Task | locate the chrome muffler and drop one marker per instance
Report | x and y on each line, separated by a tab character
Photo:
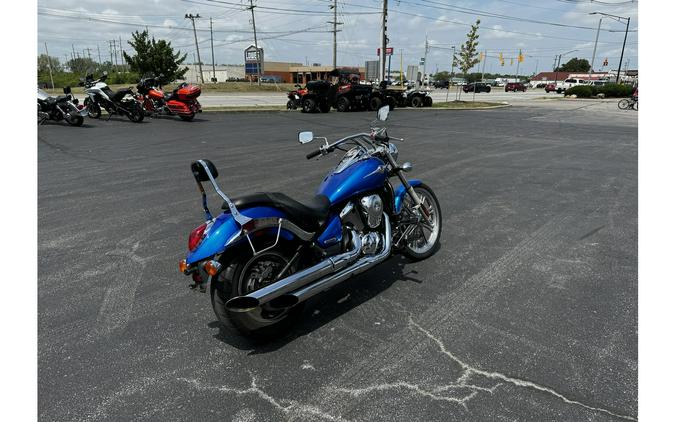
326	283
302	285
295	281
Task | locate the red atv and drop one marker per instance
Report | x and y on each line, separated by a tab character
182	101
295	98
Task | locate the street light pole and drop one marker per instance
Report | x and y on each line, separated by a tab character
595	47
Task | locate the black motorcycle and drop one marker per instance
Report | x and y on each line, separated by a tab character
64	107
99	95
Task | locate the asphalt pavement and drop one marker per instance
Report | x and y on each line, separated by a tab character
528	312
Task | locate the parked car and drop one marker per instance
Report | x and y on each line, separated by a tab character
478	86
515	86
441	84
549	88
569	83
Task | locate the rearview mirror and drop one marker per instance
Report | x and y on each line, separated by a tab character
383	113
305	137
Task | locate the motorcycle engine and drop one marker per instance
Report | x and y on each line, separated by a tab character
372	209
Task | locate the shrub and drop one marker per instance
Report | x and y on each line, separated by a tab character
581	91
615	90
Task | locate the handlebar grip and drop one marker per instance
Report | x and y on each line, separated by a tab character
313	154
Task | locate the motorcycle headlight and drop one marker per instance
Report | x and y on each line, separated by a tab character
393	151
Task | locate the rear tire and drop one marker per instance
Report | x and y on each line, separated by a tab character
136	114
417	101
186	117
375	103
239	278
428	102
75	120
342	104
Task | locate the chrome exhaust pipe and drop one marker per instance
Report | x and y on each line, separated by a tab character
295	281
326	283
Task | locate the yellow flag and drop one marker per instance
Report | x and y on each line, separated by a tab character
511	61
501	59
482	56
521	58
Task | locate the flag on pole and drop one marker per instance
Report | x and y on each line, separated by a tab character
482	56
501	59
521	58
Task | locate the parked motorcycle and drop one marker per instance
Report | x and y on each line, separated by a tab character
266	253
99	95
295	97
64	107
182	101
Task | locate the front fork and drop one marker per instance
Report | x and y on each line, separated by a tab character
409	189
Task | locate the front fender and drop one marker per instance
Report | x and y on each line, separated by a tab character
225	230
399	194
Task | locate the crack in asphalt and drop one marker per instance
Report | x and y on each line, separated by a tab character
290	407
469	370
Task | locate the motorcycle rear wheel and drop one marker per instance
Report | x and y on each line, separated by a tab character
137	114
243	274
186	117
75	120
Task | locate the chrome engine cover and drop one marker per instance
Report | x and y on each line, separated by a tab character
372	210
370	242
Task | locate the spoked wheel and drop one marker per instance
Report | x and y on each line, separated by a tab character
247	275
623	104
420	239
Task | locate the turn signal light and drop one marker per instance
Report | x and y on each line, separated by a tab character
183	266
212	267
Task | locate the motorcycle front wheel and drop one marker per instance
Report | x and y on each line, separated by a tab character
93	109
243	274
422	239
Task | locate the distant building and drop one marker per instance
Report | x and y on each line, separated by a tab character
273	72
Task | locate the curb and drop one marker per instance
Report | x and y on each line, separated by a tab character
272	110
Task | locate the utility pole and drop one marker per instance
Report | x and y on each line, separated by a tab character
618	72
110	49
335	31
595	46
452	75
383	42
121	56
99	53
88	50
194	30
213	60
426	50
255	40
73	45
49	62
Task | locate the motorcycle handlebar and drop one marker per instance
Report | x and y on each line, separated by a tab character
313	154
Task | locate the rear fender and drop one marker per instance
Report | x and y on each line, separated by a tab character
399	194
224	232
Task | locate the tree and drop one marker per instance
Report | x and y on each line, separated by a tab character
575	65
43	64
443	75
81	65
155	56
468	55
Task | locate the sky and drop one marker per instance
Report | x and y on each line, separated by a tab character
298	30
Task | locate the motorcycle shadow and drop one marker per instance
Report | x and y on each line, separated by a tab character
328	306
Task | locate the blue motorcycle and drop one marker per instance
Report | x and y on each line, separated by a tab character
266	253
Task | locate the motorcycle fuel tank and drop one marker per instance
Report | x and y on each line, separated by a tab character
360	176
155	94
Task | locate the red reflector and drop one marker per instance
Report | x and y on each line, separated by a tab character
196	237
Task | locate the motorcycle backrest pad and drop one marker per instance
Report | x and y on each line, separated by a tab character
66	90
199	172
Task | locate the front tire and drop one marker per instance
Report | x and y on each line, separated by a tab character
187	117
342	104
136	115
428	102
623	104
242	275
423	240
375	103
93	109
417	101
75	120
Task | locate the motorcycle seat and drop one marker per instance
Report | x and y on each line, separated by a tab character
121	93
54	100
308	216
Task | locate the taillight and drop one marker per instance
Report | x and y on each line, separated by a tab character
196	237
